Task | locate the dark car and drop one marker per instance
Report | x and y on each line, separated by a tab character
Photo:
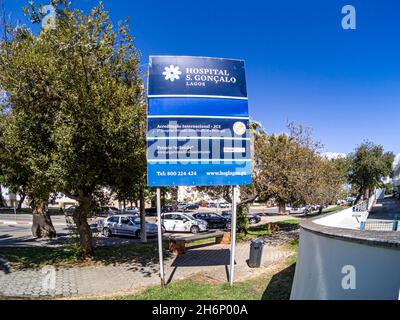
167	208
252	217
214	220
70	211
106	211
151	212
191	207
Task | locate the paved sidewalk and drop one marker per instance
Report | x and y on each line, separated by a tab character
211	261
385	209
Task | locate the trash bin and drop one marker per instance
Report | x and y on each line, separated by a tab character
256	250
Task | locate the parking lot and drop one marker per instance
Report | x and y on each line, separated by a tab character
15	230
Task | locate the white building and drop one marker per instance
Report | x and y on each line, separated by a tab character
396	171
189	194
10	199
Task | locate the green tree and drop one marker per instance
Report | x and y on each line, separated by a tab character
26	125
285	166
369	164
329	179
84	78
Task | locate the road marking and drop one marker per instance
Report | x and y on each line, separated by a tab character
28	223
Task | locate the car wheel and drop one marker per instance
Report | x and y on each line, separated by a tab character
194	229
107	232
253	221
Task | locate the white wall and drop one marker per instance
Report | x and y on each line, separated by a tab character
319	269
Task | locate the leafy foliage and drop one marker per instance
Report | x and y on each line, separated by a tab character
78	112
368	165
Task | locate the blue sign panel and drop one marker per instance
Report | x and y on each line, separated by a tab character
198	107
197	134
196	76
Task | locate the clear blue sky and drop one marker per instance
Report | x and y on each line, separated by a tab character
301	65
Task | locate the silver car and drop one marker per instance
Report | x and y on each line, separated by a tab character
181	222
126	225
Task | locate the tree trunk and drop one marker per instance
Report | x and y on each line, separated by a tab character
143	234
86	204
42	227
281	207
21	201
1	199
366	193
162	197
174	198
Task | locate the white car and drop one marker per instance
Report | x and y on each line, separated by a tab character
304	210
126	226
131	210
180	222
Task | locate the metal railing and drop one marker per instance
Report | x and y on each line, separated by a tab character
380	225
361	207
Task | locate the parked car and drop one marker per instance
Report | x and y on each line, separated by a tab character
151	212
181	206
191	206
131	210
299	210
167	208
214	220
127	226
111	210
70	210
251	217
219	205
181	222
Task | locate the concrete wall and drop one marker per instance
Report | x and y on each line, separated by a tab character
322	257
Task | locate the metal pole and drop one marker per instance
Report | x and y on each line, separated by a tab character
233	236
160	245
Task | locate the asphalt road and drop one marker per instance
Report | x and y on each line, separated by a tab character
20	235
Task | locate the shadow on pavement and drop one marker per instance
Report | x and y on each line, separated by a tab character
4	267
30	241
280	286
201	258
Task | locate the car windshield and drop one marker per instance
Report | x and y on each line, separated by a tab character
188	217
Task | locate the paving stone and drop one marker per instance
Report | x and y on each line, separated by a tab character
211	260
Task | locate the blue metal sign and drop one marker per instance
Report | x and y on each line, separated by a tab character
197	134
196	76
